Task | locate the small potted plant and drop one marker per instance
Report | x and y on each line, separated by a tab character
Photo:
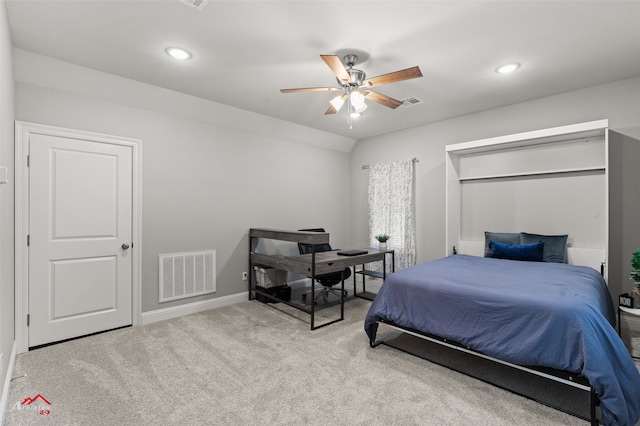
635	276
382	240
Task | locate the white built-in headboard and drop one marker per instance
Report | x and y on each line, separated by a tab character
551	181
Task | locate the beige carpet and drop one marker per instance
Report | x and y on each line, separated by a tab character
250	364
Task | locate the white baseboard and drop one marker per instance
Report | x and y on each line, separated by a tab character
6	388
192	308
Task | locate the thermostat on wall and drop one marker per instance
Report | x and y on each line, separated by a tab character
4	175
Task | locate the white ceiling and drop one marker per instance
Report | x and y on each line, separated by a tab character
245	51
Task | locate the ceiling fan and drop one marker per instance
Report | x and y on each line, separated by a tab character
355	86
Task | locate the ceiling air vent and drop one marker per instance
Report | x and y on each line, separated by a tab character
409	102
198	4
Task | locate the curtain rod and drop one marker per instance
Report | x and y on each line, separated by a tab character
367	166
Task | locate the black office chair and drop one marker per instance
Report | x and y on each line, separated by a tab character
328	280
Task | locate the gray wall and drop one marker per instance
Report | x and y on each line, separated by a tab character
619	102
6	195
204	184
210	172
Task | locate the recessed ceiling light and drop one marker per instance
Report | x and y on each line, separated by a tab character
178	53
507	68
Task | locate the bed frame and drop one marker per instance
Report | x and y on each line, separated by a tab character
563	377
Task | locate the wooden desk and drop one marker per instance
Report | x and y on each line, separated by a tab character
312	265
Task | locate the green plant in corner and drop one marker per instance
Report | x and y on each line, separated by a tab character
635	270
382	238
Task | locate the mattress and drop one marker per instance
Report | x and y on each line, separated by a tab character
536	314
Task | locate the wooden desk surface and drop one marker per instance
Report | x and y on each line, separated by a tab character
326	261
326	257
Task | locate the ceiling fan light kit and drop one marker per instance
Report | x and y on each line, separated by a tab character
337	102
356	98
355	86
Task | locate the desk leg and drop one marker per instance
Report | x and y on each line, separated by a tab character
364	278
355	281
342	298
384	267
313	302
313	287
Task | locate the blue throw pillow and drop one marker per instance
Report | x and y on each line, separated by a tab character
529	252
500	237
555	246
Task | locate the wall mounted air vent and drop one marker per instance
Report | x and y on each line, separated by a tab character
198	4
409	102
184	275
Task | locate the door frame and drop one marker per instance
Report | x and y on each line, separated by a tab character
23	131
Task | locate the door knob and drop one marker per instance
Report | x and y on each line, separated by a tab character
125	246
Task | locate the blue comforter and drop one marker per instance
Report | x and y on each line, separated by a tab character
527	313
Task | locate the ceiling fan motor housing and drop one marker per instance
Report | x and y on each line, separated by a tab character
357	78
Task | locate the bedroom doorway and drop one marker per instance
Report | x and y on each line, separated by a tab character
79	265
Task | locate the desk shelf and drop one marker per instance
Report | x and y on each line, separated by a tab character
375	274
371	273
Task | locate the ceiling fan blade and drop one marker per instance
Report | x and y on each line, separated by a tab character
336	66
382	99
330	110
392	77
310	89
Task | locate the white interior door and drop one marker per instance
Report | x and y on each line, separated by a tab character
80	228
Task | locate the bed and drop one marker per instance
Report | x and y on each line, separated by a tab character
535	314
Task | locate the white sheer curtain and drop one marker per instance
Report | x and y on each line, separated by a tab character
391	208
